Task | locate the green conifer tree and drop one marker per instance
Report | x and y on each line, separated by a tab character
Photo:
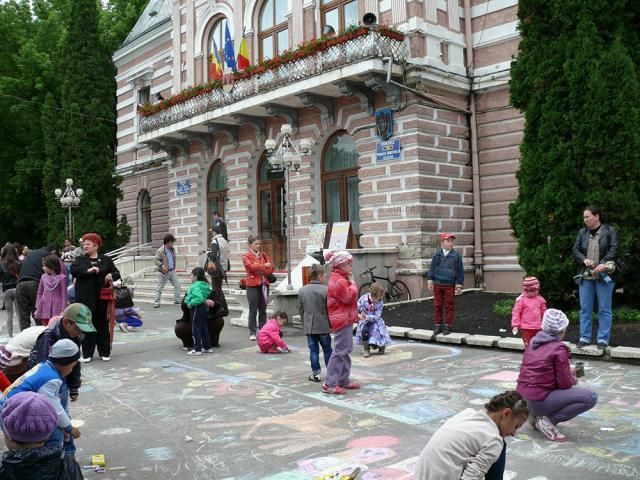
574	131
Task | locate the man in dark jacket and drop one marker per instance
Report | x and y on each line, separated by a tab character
312	306
445	279
75	321
27	288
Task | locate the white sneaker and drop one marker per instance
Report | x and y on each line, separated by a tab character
194	353
252	338
84	360
549	430
184	348
105	359
123	327
208	350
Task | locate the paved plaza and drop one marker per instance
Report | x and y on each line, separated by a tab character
239	414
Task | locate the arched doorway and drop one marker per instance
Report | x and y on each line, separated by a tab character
271	213
341	199
216	192
144	214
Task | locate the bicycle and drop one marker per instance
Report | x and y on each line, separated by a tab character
396	291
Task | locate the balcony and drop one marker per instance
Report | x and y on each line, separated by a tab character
337	69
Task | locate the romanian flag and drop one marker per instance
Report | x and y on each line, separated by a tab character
243	55
216	65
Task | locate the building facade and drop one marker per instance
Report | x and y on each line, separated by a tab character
444	78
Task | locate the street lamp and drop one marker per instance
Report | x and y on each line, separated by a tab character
69	199
285	157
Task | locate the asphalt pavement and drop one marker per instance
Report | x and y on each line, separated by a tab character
156	413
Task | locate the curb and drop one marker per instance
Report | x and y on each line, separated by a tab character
509	343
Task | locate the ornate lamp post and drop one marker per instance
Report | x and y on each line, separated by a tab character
69	199
284	157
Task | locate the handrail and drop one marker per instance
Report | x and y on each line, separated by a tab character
118	252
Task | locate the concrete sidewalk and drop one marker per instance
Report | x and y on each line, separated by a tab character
239	414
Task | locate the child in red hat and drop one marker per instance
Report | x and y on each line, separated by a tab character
445	279
527	313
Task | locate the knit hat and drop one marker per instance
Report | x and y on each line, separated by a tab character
5	358
64	352
338	258
554	321
28	417
446	236
80	314
530	284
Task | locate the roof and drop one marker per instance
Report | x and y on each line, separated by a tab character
157	13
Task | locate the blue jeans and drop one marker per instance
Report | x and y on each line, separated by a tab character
496	472
589	290
200	328
314	351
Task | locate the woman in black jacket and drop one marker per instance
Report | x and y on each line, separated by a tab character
595	244
93	271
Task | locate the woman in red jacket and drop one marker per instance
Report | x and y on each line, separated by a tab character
258	267
342	308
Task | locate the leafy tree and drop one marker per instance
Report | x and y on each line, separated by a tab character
577	84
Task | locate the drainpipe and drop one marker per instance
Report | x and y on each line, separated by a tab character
475	163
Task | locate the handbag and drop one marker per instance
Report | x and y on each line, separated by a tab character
106	293
272	278
124	296
242	285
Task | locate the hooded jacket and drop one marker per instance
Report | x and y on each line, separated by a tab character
52	296
342	299
545	367
44	463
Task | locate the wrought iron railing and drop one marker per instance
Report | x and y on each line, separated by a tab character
373	45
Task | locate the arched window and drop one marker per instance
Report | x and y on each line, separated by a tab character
341	201
271	213
144	207
339	13
216	191
217	35
273	36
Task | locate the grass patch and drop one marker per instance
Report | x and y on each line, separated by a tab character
503	309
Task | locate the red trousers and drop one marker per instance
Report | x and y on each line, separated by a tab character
527	335
443	295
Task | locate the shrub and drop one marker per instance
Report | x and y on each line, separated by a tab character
503	309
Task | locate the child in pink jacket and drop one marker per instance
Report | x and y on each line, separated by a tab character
526	316
270	336
51	299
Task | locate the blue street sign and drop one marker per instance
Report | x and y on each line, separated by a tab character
386	151
184	187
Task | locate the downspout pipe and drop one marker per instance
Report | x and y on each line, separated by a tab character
475	162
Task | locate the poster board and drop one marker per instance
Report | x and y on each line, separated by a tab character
317	237
342	236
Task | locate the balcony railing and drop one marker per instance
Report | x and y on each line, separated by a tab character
373	45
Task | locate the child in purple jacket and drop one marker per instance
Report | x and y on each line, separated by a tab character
52	290
547	380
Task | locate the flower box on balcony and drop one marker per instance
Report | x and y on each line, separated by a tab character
392	34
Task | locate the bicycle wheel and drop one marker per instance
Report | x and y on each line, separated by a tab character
399	291
364	288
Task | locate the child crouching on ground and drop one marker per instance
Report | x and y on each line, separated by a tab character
270	335
28	419
197	300
128	318
527	313
371	331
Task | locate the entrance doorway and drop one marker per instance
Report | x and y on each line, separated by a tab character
216	194
271	214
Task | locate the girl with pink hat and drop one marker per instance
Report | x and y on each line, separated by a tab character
343	313
526	316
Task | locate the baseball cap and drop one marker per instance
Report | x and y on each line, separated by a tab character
64	352
445	236
80	314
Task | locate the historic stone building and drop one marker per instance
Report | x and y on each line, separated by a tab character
448	94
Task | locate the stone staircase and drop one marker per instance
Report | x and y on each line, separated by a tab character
144	286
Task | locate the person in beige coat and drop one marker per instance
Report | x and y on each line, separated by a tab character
165	262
